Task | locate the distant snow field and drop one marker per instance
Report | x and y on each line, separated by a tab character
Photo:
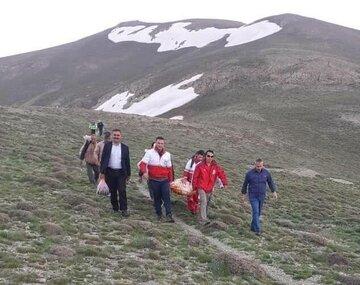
353	118
116	102
157	103
177	118
177	36
338	180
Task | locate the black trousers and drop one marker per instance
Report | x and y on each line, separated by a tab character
116	180
100	130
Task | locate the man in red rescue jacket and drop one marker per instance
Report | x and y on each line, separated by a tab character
204	179
157	168
193	200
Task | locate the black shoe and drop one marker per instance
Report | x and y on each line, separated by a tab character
169	219
159	218
114	211
125	214
258	233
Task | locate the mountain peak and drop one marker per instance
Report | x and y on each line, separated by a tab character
205	22
142	58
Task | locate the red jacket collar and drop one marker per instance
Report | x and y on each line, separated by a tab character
213	163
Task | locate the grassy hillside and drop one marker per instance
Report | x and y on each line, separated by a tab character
55	229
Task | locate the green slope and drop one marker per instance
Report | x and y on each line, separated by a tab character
54	229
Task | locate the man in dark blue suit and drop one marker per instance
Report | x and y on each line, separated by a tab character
115	169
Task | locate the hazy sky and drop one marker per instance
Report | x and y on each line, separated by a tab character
27	25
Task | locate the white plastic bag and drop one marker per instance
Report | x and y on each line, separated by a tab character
102	188
219	184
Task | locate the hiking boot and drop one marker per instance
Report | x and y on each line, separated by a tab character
169	219
125	214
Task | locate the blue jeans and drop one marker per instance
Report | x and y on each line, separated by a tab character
256	205
161	192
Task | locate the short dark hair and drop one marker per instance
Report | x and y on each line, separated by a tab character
200	152
116	130
159	138
209	151
258	160
107	134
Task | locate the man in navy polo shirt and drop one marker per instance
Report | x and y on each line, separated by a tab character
256	181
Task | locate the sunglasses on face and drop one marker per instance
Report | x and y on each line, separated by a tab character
208	155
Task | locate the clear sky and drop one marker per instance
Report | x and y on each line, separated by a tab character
27	25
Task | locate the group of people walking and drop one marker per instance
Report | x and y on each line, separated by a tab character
110	160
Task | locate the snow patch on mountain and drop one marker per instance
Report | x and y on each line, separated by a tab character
246	34
116	102
177	118
159	102
352	118
342	181
178	37
135	34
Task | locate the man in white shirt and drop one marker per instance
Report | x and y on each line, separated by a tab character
115	169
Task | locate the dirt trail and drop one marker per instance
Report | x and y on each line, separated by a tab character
274	273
